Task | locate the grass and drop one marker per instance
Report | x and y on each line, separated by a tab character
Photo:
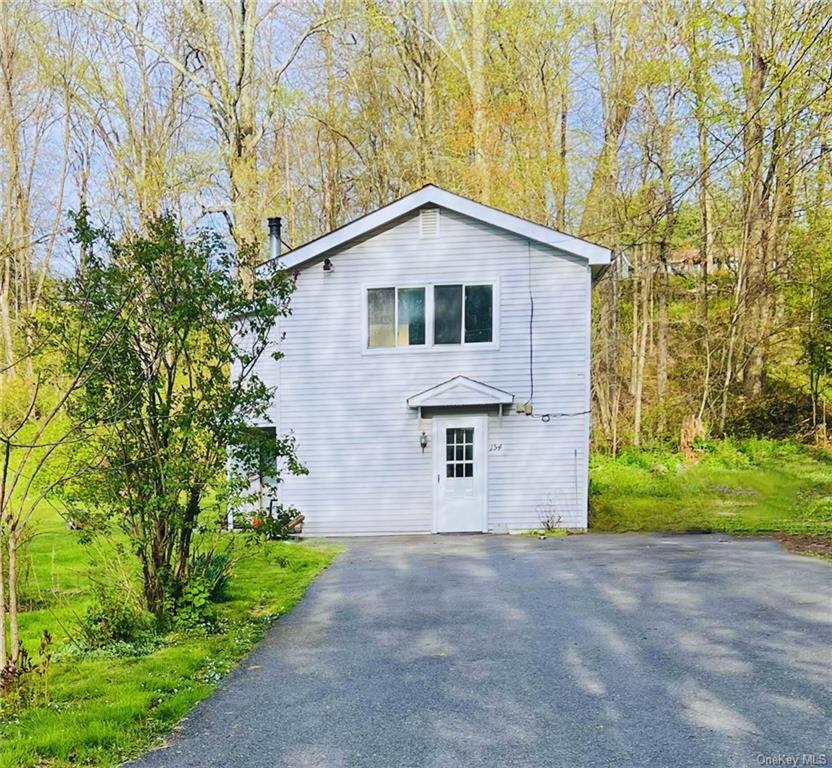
752	486
545	532
101	710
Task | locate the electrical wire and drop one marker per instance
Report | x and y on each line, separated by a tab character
547	417
531	327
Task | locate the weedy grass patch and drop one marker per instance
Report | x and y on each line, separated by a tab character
751	486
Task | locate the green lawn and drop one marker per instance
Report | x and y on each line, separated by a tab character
752	486
102	710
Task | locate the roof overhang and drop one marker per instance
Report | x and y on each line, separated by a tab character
594	255
460	391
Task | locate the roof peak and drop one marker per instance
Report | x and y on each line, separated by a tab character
431	193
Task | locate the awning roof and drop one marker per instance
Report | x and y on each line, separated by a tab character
460	390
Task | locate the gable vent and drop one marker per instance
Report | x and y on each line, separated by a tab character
429	222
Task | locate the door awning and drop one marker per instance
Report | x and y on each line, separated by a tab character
460	390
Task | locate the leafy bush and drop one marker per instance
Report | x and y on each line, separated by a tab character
214	569
115	617
782	412
760	449
194	609
725	454
817	514
27	682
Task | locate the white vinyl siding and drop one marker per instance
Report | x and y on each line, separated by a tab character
347	409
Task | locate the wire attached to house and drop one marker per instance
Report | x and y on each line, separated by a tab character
531	326
547	417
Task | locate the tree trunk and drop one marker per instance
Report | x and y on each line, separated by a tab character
661	348
478	37
618	79
562	170
646	282
191	515
755	298
4	656
427	118
14	632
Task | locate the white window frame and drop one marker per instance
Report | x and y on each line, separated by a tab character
366	318
429	345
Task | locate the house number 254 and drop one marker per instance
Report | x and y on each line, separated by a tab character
495	447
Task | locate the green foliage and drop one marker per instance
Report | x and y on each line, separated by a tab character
109	704
160	410
782	412
214	569
194	610
755	485
27	683
115	618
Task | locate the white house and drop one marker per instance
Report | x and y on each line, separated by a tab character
436	371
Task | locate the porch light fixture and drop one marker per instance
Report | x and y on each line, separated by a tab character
423	441
327	265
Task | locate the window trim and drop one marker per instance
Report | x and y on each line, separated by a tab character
429	345
366	317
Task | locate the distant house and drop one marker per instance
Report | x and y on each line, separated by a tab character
436	371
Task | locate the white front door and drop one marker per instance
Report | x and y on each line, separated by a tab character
459	470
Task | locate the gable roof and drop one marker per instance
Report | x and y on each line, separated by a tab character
460	390
595	255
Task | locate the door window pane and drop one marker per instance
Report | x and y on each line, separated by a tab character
478	313
381	317
447	314
459	452
411	316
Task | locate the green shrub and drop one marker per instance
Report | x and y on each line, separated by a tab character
818	514
214	569
782	412
760	449
193	608
115	617
726	454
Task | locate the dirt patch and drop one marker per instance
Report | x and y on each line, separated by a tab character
807	544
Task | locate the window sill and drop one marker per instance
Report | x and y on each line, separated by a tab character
490	346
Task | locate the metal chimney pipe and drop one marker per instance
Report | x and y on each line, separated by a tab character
274	236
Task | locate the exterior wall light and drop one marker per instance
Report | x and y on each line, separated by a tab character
327	265
423	441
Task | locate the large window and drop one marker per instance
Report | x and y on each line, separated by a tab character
399	317
463	311
396	317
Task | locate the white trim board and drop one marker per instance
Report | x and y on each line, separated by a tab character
594	255
460	390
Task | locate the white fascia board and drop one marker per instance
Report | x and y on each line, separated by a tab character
594	254
483	394
432	195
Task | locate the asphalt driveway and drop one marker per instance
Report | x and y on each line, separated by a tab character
446	651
